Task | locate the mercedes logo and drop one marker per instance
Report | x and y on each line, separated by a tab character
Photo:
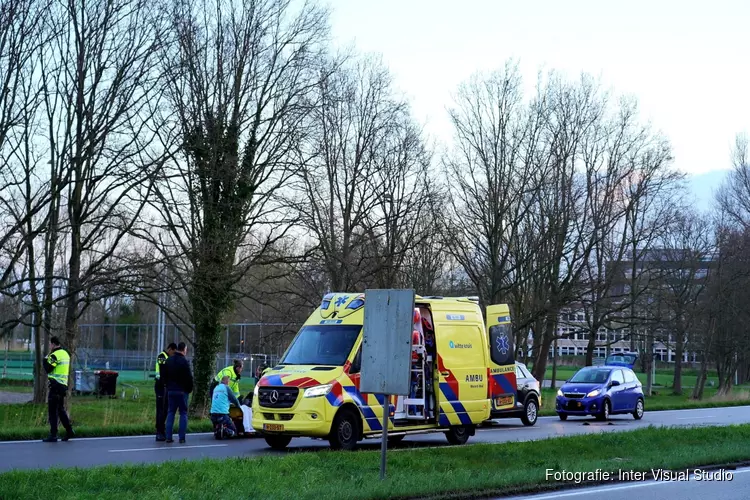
274	397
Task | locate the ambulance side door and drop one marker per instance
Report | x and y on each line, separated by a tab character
502	363
461	368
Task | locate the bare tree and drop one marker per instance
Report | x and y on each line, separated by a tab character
365	178
734	195
628	175
21	33
688	254
101	87
491	171
239	77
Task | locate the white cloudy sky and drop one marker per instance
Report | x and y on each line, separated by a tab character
688	62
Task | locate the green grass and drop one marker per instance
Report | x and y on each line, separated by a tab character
665	400
91	416
451	472
664	377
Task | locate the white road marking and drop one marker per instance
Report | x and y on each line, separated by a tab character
27	441
603	489
695	418
167	447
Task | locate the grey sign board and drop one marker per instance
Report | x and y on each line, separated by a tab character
386	347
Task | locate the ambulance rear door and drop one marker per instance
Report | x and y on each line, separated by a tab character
501	372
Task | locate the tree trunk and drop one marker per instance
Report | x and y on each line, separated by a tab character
71	302
590	347
553	383
540	366
208	340
40	386
700	382
679	349
649	363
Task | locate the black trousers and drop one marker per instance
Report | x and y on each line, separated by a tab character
56	408
161	408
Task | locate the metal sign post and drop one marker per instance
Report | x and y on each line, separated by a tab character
386	350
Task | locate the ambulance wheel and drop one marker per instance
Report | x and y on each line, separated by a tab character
458	435
345	430
278	442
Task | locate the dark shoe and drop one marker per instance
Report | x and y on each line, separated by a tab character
49	439
69	435
170	440
182	441
161	438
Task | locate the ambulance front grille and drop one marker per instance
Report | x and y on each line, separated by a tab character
278	416
277	397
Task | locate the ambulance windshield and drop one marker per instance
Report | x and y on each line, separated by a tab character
328	345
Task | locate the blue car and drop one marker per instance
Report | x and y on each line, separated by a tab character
601	391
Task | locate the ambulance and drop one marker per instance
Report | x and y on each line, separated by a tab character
462	369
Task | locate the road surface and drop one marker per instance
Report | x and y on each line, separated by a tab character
738	488
87	452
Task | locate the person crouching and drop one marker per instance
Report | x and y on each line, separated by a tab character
220	401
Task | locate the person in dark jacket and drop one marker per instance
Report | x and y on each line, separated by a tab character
179	383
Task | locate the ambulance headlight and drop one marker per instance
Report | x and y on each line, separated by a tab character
318	390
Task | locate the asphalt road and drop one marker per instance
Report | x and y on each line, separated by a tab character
716	485
87	452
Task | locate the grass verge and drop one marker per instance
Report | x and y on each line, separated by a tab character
475	471
664	400
96	417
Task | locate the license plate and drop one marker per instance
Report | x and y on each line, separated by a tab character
504	401
273	427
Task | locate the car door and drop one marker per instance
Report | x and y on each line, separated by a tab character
618	393
523	386
631	382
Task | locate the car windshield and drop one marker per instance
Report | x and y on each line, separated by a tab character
328	345
621	358
591	376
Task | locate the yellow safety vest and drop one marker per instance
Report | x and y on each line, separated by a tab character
234	383
160	360
60	360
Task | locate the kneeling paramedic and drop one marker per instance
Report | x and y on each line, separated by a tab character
57	366
220	401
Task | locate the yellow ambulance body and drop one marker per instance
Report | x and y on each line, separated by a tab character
457	379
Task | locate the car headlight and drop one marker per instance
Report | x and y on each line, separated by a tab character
593	393
255	391
318	390
559	392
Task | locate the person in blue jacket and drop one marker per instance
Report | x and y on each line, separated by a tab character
220	401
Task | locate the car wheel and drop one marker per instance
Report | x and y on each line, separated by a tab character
278	442
604	415
345	431
562	416
639	409
458	435
530	412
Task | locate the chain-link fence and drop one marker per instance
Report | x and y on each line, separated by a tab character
131	349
